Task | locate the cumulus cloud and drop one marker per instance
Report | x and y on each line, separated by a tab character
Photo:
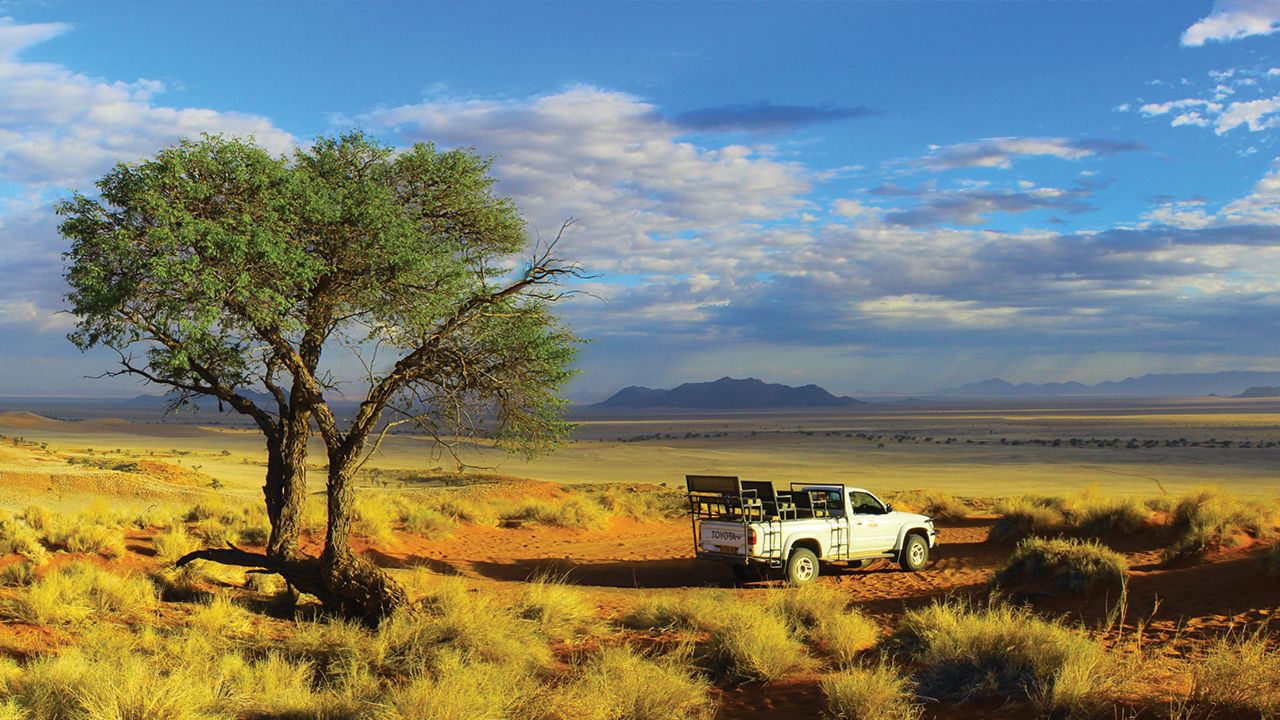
645	198
1245	102
62	127
1233	20
1000	152
764	116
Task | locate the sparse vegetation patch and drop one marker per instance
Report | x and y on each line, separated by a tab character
1072	565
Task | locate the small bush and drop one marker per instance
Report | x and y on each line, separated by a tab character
80	535
1072	565
467	510
870	692
1209	518
1099	514
642	503
1020	517
1239	676
965	653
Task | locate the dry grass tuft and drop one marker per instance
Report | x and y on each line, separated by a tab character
1208	518
1072	565
819	614
620	683
561	611
428	522
870	692
1238	676
966	652
1021	516
935	504
76	592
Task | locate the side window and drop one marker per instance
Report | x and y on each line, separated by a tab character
864	504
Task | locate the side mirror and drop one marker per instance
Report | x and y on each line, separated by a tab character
888	508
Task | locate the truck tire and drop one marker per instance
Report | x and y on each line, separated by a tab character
802	567
915	553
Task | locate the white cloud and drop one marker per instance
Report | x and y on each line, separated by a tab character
1233	20
62	127
1000	152
610	160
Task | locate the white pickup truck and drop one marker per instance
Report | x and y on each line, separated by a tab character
752	527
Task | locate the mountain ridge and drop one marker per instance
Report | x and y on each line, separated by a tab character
726	394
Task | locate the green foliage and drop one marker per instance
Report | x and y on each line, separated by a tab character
967	652
870	692
214	255
1073	565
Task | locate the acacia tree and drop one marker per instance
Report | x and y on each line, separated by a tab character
348	243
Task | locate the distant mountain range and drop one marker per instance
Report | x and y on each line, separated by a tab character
1230	383
726	394
1260	392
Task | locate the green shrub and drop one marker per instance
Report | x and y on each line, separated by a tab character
964	652
1072	565
870	692
573	511
1238	676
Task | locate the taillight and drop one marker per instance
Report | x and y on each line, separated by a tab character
751	536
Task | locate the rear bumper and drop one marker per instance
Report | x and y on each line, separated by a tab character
732	558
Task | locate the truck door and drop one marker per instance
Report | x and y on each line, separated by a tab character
869	533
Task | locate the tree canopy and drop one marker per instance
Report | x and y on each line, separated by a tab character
216	269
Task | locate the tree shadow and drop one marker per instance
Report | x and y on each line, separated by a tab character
648	574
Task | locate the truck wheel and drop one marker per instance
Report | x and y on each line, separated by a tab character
915	553
802	567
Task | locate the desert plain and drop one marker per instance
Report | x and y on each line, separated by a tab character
589	548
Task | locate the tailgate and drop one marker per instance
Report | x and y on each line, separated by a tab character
722	537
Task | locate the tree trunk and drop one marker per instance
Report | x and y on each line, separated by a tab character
286	485
353	586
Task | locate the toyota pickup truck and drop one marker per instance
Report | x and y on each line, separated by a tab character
754	528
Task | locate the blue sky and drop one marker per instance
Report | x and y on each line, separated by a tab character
870	196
